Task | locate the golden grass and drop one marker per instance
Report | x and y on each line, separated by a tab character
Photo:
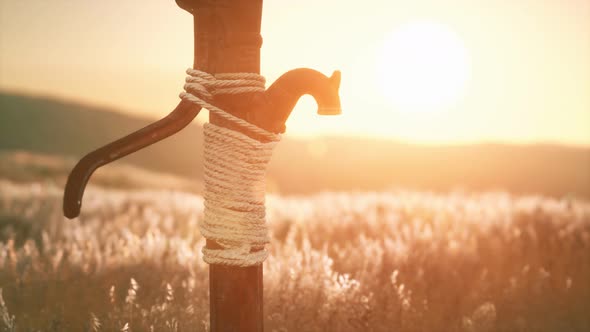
399	261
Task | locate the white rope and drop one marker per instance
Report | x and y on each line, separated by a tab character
200	88
234	173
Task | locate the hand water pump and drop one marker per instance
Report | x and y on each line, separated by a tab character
246	121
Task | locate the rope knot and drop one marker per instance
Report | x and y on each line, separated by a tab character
205	85
201	87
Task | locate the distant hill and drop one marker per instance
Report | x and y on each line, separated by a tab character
57	127
299	166
26	166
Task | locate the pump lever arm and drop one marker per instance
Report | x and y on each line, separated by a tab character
179	118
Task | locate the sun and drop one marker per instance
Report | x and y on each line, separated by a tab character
423	66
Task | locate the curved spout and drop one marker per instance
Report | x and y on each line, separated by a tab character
179	118
284	93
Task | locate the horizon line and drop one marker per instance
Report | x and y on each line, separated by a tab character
141	115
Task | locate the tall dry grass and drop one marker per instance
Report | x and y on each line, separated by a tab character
400	261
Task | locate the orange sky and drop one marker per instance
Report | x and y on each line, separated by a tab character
526	63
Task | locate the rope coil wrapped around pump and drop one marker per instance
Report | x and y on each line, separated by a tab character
234	173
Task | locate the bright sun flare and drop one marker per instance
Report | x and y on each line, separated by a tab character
424	66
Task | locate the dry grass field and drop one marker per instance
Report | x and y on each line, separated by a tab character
391	261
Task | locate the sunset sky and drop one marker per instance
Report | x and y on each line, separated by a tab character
422	71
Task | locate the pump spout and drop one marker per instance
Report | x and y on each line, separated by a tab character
282	96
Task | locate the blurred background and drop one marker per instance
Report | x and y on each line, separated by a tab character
436	95
452	194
